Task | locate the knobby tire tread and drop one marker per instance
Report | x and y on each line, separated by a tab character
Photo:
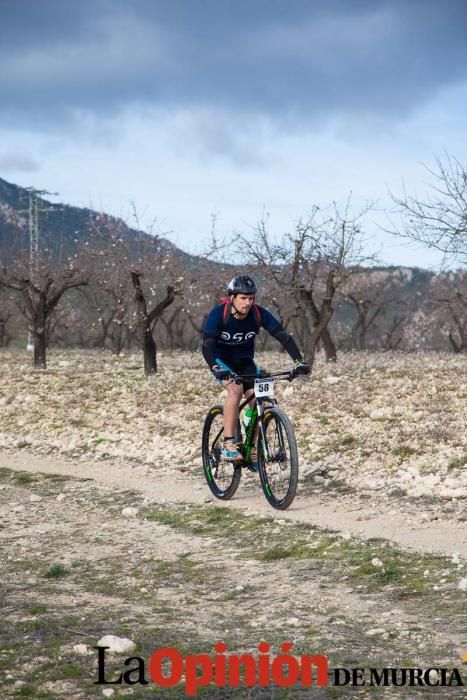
229	492
280	416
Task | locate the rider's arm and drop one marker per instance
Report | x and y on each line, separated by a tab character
277	330
211	331
208	349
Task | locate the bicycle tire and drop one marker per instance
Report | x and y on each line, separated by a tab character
273	470
223	477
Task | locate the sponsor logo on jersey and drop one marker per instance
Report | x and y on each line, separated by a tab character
233	338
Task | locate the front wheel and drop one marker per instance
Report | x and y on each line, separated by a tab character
223	477
278	458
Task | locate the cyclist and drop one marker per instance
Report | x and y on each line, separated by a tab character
229	347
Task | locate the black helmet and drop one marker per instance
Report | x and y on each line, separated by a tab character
242	285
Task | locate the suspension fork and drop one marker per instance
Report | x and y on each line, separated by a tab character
264	443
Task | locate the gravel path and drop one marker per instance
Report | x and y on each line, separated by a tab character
416	525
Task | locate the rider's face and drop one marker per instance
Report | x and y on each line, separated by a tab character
243	302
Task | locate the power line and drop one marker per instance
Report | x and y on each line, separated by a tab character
33	218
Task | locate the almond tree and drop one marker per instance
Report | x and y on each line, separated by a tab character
7	313
450	294
439	218
39	293
309	265
374	296
147	320
119	262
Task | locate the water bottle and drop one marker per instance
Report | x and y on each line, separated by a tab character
247	418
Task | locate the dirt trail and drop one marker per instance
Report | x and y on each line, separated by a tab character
446	536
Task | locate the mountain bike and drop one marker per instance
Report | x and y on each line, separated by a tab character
275	442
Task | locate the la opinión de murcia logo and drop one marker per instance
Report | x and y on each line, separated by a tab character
167	667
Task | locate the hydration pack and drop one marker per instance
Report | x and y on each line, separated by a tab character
227	311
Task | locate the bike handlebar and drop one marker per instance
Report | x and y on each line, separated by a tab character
289	375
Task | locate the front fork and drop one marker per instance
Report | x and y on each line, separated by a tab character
260	409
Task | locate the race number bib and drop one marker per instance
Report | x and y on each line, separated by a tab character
264	387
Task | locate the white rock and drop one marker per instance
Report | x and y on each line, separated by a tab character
117	645
288	391
455	557
61	497
452	483
420	490
35	498
108	692
293	621
379	413
377	562
332	380
375	632
462	585
130	512
81	649
453	493
372	484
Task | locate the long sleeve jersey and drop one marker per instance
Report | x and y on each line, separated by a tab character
236	338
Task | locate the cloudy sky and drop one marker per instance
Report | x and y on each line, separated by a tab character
190	108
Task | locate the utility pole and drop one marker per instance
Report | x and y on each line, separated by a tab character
33	211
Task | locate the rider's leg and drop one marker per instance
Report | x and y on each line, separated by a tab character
232	402
253	453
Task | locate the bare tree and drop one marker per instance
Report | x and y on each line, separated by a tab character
393	334
374	296
148	319
309	265
439	218
39	294
453	302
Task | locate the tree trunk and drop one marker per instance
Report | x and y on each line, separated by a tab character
3	333
457	348
329	347
149	350
321	318
362	343
39	333
40	345
147	321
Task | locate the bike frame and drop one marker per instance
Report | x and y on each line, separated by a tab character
259	401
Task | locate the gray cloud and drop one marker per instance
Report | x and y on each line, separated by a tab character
11	161
301	60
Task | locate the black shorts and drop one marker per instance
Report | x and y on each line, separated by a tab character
241	365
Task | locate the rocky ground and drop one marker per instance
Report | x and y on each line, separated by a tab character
382	421
108	528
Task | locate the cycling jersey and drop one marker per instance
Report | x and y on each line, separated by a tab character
235	338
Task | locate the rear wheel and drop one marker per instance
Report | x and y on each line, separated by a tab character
223	477
278	459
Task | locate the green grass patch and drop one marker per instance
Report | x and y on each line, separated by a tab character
38	609
403	452
277	552
458	463
348	440
56	571
23	478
